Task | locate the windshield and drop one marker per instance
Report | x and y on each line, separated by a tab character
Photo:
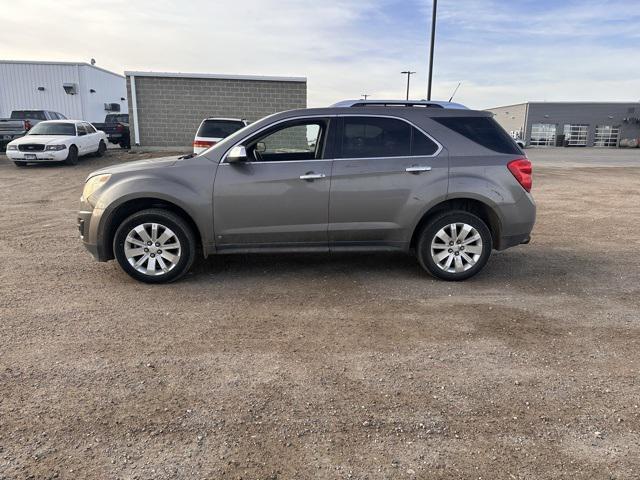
51	128
112	118
219	128
28	114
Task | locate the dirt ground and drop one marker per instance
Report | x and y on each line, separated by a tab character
316	366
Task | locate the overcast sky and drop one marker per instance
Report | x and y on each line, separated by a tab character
502	51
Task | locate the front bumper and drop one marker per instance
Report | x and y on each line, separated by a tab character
44	156
88	226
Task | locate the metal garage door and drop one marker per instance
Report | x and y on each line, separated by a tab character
606	136
575	135
543	135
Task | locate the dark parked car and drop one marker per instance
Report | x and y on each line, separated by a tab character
446	183
116	126
21	121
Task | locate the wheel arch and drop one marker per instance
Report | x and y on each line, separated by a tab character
129	207
472	205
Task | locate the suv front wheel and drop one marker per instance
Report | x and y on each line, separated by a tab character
154	246
454	246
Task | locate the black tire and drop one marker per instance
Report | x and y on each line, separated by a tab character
443	221
165	218
20	164
102	148
72	156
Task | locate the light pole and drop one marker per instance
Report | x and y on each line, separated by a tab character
365	95
408	73
433	40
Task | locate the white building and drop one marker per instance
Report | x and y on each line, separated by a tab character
77	90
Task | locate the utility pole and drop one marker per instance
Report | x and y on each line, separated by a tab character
433	40
408	73
365	95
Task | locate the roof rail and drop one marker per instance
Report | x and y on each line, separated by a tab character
398	103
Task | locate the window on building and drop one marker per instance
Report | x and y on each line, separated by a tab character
575	135
543	135
606	136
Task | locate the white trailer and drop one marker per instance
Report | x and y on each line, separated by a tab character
77	90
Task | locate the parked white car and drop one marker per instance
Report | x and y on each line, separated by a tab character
212	130
57	141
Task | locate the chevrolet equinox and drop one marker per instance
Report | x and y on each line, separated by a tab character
433	178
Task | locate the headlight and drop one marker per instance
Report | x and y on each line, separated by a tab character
55	147
12	147
93	184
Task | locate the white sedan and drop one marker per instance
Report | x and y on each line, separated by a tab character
57	141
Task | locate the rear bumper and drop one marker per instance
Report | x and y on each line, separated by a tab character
518	220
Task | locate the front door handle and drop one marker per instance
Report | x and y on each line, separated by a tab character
417	169
312	176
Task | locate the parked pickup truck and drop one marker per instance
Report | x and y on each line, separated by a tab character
116	126
21	121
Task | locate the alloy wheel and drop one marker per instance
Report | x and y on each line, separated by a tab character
456	247
152	249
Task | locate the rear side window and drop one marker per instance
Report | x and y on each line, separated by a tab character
366	137
371	137
482	130
219	128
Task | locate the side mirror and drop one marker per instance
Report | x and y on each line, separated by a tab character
261	147
237	154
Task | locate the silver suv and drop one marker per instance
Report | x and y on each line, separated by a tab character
446	183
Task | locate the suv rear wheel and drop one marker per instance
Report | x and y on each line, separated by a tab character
454	246
154	246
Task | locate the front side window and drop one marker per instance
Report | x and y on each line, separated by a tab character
89	128
81	130
294	141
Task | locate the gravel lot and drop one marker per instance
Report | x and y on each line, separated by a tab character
315	366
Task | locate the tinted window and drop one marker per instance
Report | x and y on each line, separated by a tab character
53	128
89	128
219	128
118	118
482	130
298	141
28	114
422	145
81	129
366	137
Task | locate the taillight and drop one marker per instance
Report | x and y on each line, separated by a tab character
27	125
203	143
521	169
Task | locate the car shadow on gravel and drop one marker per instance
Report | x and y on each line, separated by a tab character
548	266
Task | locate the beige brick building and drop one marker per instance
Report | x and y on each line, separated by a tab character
167	108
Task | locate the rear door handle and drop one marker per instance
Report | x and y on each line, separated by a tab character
312	176
417	169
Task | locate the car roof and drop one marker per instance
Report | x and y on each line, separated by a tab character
64	121
225	119
399	103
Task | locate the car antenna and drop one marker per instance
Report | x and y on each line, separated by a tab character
454	92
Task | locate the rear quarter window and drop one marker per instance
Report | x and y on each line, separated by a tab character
484	131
